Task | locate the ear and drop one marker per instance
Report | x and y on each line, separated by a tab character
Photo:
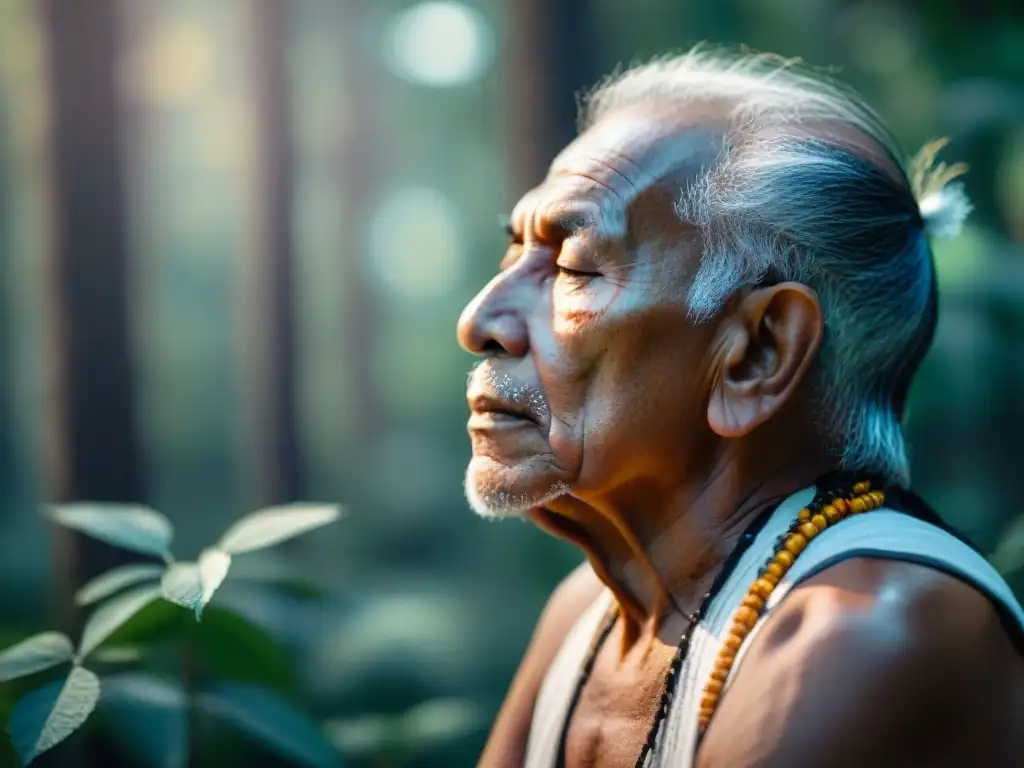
771	340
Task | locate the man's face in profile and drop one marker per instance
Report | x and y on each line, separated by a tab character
590	361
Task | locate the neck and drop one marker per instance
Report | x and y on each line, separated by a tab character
659	550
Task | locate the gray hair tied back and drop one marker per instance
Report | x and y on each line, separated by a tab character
810	187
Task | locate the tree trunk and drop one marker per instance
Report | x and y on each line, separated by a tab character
91	439
549	63
361	171
268	305
8	468
90	423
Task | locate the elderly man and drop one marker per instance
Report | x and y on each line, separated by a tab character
695	360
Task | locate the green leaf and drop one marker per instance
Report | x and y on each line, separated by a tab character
153	625
231	648
191	585
116	579
276	524
42	651
273	721
150	716
367	736
441	720
182	584
267	570
431	725
213	568
124	525
121	654
112	614
45	717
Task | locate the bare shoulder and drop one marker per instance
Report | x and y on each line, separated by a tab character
570	599
875	662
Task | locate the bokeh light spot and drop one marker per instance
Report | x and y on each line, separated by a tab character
416	244
171	65
439	44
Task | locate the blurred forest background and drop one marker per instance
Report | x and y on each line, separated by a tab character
235	237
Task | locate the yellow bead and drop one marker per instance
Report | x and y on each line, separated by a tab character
745	616
819	522
756	602
842	506
762	588
775	570
726	655
740	630
721	674
804	514
809	530
795	543
785	558
771	578
713	687
732	642
832	515
862	487
879	498
857	506
709	701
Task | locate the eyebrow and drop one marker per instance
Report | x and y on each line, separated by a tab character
569	221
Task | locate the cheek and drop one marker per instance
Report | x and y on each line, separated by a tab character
579	311
588	327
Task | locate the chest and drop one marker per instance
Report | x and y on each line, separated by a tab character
617	707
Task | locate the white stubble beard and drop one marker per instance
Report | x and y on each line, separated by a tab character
494	503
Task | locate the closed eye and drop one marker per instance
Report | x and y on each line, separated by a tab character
576	273
510	231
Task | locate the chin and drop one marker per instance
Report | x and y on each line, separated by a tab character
496	491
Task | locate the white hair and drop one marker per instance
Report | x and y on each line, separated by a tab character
809	187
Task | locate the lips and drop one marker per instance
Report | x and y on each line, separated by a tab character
493	405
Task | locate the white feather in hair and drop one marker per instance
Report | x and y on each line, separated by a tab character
944	206
944	212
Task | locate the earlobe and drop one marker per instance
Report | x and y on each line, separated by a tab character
731	416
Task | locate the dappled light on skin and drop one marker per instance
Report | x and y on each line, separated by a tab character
409	126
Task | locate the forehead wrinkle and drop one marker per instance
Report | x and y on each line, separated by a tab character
600	205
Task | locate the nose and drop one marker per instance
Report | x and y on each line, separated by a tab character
492	323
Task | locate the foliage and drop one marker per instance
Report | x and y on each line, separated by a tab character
426	728
152	715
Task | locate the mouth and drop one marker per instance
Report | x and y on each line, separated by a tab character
490	409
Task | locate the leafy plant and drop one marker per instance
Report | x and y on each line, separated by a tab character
153	714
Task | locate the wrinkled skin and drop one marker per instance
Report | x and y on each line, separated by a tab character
632	406
604	414
591	318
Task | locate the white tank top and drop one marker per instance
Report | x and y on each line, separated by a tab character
881	533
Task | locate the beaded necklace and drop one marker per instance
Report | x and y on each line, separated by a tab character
831	504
